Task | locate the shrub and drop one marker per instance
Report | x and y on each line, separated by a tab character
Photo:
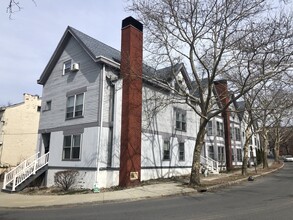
65	179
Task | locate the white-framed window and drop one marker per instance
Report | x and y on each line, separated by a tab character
220	129
210	128
166	150
211	152
221	153
74	106
180	119
181	152
66	67
232	133
237	134
239	155
71	147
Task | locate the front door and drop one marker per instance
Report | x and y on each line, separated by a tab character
46	141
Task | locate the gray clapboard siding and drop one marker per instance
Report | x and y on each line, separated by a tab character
58	85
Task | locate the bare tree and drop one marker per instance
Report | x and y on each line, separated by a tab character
283	107
14	6
205	35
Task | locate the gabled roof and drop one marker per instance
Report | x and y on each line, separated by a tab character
101	52
94	47
166	74
203	83
240	107
97	50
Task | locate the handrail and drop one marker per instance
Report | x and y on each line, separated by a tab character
30	170
9	176
213	164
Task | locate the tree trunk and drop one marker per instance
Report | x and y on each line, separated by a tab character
245	151
277	146
195	169
265	148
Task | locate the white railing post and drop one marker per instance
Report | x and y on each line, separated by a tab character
35	166
4	182
13	184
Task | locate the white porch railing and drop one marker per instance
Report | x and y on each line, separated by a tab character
8	178
25	170
210	163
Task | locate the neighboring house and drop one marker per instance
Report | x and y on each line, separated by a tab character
225	138
19	130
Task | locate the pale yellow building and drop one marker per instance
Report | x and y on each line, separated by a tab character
18	130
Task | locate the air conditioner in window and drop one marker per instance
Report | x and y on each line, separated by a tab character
1	142
75	67
180	78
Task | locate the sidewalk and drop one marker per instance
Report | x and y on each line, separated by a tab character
131	194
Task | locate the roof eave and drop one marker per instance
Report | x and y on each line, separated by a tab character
108	61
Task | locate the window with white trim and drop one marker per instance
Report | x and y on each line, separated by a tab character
237	134
221	153
181	152
66	67
71	147
180	120
210	128
239	155
220	129
166	150
232	133
74	106
211	152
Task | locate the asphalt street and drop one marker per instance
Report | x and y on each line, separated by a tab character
268	197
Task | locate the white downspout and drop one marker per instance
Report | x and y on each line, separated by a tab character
99	142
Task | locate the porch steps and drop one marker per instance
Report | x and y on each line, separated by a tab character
25	183
26	172
210	164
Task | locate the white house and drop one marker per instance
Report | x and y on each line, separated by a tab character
102	116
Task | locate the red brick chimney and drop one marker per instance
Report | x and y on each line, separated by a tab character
131	71
223	94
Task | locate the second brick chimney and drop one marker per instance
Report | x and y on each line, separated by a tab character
131	71
223	94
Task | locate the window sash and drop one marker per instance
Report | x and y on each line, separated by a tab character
66	67
239	155
220	129
48	106
71	147
220	153
237	131
210	128
211	152
166	150
180	120
74	106
181	152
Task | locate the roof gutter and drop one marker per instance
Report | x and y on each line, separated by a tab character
108	61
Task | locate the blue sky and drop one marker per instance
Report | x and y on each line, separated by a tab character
29	39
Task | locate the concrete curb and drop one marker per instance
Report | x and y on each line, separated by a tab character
137	194
242	179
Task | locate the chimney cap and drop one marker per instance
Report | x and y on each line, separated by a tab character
131	21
